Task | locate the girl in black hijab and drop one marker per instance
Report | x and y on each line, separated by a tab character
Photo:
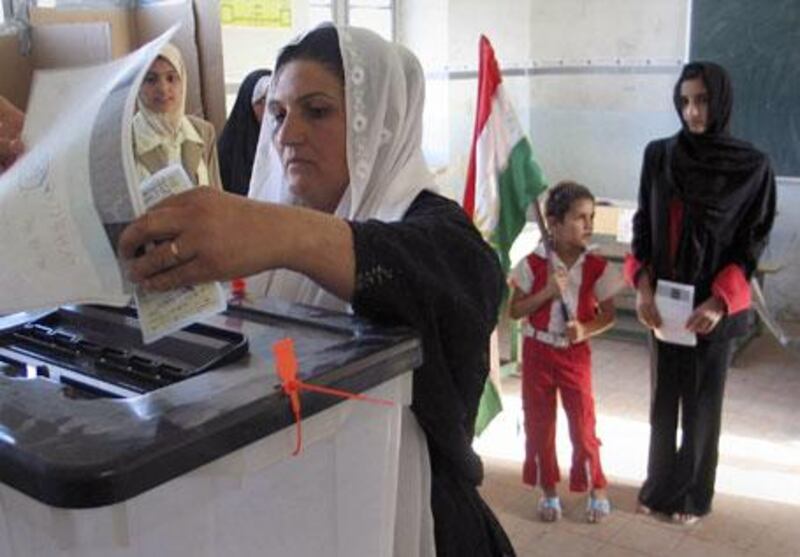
239	138
706	206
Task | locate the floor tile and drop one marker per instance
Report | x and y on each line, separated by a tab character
758	487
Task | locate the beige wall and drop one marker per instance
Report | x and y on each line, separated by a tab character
589	126
123	25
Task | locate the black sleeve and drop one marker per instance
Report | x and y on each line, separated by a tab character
641	244
433	271
753	233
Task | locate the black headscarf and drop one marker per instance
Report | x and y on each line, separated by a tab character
239	139
726	185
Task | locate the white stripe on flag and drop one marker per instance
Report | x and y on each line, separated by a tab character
497	139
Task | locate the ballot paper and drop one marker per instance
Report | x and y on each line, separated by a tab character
162	313
64	203
675	303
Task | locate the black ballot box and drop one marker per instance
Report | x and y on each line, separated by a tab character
185	447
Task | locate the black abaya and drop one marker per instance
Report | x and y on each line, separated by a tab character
433	272
237	143
726	191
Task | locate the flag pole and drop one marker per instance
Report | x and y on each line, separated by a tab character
547	240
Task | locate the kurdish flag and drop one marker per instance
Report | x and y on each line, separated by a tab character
502	176
502	181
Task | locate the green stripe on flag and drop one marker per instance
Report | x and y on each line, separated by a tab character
520	183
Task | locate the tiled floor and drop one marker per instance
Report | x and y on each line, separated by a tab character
757	506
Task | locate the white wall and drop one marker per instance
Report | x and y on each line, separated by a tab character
587	126
592	127
783	254
422	25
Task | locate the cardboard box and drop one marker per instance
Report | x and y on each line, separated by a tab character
16	71
79	36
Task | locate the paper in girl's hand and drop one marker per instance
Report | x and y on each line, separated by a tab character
675	303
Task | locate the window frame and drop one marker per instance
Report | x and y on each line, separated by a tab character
340	13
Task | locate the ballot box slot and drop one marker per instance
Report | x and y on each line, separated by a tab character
101	350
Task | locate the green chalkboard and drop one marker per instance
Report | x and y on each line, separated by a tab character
758	42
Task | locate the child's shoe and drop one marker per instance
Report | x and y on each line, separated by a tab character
597	508
549	508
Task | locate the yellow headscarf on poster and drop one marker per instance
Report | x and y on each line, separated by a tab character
256	13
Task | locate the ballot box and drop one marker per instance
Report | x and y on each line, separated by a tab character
184	447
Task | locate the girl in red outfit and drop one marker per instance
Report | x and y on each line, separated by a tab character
566	296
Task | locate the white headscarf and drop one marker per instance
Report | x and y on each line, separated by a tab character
167	130
166	124
384	100
260	89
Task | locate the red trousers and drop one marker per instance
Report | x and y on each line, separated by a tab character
545	370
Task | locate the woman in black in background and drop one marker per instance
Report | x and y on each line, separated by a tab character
706	207
237	143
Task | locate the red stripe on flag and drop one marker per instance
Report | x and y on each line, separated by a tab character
488	79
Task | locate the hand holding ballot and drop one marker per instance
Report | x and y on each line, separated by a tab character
206	234
706	316
646	309
671	315
164	312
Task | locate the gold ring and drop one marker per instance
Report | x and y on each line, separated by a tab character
173	247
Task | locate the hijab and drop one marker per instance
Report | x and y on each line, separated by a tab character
166	125
717	177
384	100
168	134
239	138
713	166
261	88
